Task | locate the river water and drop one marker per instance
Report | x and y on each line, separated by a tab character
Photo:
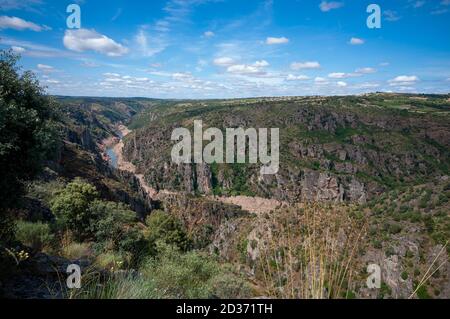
112	156
113	159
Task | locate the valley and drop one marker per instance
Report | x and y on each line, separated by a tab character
361	181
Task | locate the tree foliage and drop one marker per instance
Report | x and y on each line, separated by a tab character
166	228
28	130
72	208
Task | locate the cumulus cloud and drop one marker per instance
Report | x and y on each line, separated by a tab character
404	80
339	75
17	49
208	34
305	65
341	84
272	40
356	41
90	40
320	80
292	77
20	24
358	72
256	69
223	61
326	6
244	69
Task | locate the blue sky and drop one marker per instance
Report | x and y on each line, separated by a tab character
231	48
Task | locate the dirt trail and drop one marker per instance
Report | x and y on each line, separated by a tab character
255	205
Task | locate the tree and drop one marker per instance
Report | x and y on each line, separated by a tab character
28	132
166	228
72	208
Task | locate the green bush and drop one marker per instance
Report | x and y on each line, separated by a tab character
28	130
71	208
166	228
37	236
171	275
113	221
116	229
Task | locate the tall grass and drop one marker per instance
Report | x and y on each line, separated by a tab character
310	252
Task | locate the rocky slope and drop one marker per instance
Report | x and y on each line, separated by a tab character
332	149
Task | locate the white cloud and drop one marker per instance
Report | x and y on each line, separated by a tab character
223	61
272	40
292	77
111	75
261	64
305	65
404	80
90	40
45	68
208	34
149	47
182	76
356	41
18	4
366	70
35	50
20	24
50	81
255	69
357	73
244	69
17	49
341	84
338	75
326	6
384	64
320	80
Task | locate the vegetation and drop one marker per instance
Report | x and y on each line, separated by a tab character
360	180
28	134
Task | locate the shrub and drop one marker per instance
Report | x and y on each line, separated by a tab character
71	207
172	275
34	235
113	221
28	133
110	261
116	229
190	275
166	228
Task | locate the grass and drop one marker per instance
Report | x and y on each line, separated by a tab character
37	236
313	257
173	275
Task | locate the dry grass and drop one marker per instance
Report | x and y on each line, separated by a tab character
311	252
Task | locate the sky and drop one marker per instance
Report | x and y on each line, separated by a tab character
195	49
